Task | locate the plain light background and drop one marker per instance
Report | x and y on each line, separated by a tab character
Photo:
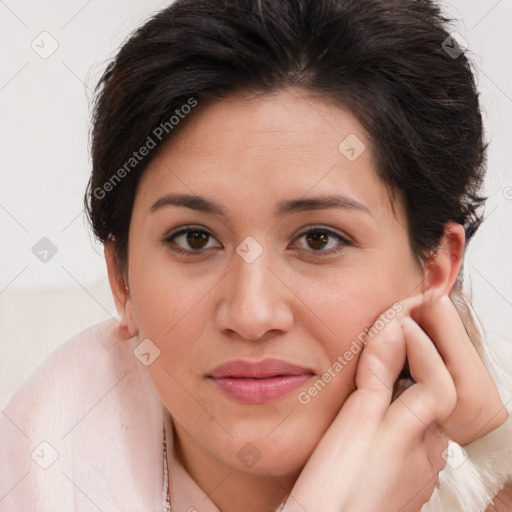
44	167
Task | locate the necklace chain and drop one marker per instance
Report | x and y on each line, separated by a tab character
166	499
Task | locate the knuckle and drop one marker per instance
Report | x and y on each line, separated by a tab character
426	405
384	344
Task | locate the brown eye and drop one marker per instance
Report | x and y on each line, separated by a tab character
189	241
197	239
317	239
324	241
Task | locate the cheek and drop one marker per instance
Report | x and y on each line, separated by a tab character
165	294
344	306
169	309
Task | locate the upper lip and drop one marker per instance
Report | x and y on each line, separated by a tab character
269	367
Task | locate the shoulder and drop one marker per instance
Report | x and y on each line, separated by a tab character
86	414
72	370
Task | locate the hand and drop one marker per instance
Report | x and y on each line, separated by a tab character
382	455
479	408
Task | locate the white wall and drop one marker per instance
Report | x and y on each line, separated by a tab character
44	166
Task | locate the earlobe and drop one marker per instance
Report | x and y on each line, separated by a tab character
442	269
120	291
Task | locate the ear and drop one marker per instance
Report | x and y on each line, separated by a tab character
120	292
442	269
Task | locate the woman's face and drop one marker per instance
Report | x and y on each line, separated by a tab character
261	279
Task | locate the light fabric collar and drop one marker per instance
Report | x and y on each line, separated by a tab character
91	414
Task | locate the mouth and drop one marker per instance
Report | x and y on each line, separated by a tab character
256	382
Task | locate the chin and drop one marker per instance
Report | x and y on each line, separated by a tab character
271	455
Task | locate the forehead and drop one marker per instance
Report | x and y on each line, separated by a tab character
252	147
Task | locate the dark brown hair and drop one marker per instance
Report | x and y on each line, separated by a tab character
392	63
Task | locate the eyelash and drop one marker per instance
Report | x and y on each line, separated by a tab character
344	242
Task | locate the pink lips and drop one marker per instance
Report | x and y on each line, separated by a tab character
254	382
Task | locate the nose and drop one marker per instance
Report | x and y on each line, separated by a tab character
255	302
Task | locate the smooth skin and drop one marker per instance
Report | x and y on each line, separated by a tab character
209	305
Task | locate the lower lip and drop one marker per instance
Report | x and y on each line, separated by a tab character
258	391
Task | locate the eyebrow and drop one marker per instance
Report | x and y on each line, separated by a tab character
285	207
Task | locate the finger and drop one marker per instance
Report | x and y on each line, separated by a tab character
383	356
442	322
379	366
401	308
433	397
